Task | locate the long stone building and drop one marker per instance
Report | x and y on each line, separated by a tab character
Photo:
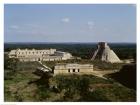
39	55
72	68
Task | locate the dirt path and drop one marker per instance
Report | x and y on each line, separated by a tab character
44	65
101	73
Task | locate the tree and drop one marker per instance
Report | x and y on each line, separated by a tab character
10	67
10	63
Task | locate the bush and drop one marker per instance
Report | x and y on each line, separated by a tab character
42	93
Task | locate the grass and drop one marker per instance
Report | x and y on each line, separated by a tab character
69	88
102	90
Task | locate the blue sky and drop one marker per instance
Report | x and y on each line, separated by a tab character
69	22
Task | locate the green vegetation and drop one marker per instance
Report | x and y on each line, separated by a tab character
65	88
20	84
25	86
123	76
10	66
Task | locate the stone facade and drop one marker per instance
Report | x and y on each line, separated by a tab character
39	55
104	53
73	68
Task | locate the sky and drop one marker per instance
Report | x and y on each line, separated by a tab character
70	23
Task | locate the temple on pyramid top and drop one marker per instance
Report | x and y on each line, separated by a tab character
104	53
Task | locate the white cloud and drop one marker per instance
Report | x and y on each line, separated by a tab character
14	27
65	20
90	24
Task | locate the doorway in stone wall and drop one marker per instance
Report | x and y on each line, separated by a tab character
73	70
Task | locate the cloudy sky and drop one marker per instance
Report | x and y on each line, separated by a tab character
69	23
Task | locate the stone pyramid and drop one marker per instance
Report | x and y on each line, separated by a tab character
104	53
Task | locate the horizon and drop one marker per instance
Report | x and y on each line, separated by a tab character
67	42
